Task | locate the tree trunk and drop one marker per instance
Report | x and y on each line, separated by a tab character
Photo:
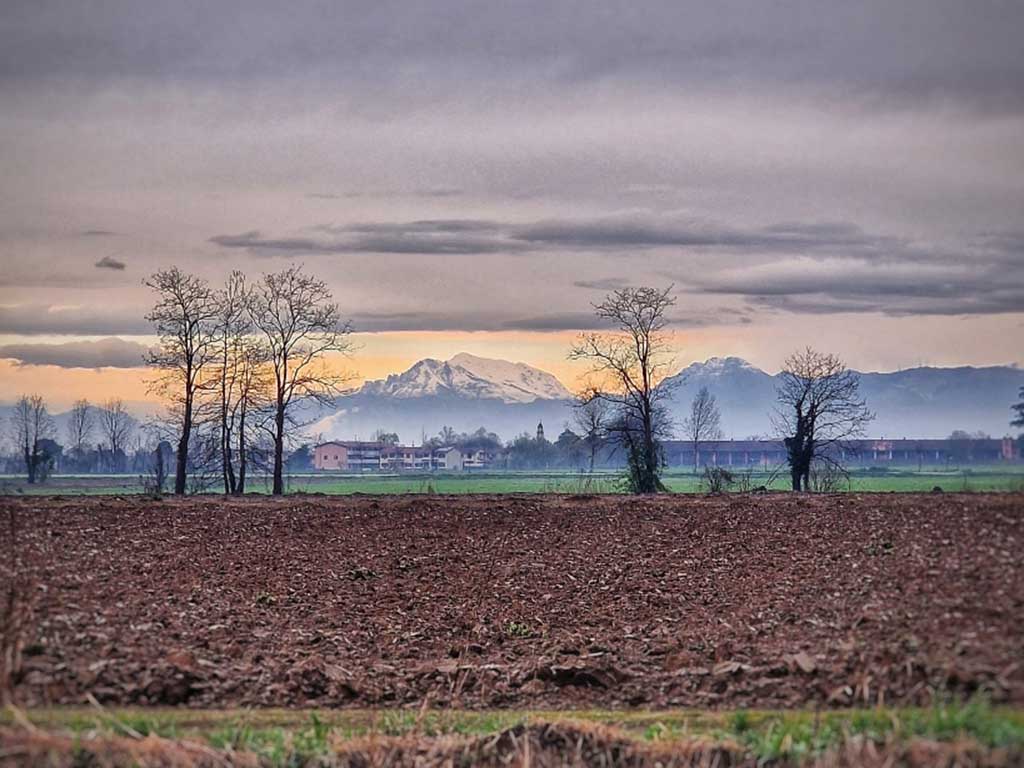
240	485
181	468
649	480
229	470
225	455
30	466
279	449
794	475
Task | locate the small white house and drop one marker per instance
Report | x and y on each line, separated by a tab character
448	457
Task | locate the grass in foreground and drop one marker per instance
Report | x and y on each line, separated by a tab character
298	737
874	479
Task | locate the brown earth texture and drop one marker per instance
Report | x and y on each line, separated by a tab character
517	601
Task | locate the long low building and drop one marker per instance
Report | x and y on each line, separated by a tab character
771	453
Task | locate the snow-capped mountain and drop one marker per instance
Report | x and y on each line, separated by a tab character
916	402
465	393
467	375
720	366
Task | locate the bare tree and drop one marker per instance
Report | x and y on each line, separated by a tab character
300	324
80	427
240	379
592	417
627	368
819	408
116	425
183	315
703	423
31	424
250	404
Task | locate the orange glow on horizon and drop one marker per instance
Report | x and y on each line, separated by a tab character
376	356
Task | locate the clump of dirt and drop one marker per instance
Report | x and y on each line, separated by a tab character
544	745
40	748
774	600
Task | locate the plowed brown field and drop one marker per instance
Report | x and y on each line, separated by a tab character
520	601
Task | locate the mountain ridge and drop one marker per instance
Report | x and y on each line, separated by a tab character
470	375
468	391
921	402
465	392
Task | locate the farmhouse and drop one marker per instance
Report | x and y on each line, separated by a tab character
348	456
360	456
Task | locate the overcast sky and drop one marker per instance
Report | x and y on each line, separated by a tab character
471	175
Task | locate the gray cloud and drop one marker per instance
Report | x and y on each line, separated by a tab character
834	302
97	233
936	50
620	233
896	276
452	237
471	236
41	319
375	322
331	195
604	284
648	232
112	353
856	286
491	321
109	262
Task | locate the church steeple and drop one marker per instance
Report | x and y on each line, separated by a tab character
540	431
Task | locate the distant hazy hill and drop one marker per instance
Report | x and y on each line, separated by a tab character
917	402
468	392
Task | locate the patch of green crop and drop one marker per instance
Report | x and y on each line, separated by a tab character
865	480
800	735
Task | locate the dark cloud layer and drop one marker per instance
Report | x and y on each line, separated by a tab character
375	322
899	52
866	272
105	353
440	238
38	320
470	236
497	321
949	288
